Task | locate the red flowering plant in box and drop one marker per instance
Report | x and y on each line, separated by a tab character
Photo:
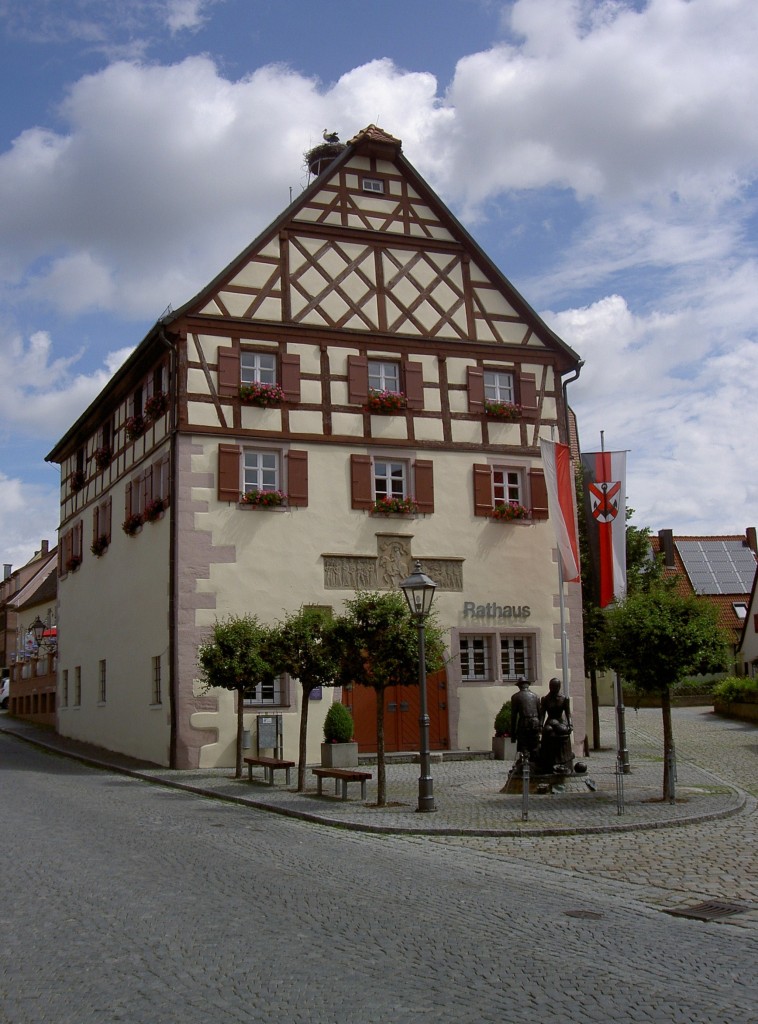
156	405
154	509
102	456
135	427
508	511
263	499
73	563
77	480
388	505
132	523
385	401
264	395
99	545
509	412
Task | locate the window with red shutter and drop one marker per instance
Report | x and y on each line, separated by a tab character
228	372
297	478
357	380
228	482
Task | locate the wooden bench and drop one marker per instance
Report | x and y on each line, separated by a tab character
269	766
343	775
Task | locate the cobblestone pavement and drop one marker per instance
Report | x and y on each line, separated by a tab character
148	905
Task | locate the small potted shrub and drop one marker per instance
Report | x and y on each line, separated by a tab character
338	749
502	732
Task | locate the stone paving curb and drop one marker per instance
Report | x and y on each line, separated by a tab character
644	783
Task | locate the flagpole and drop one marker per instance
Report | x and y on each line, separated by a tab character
622	753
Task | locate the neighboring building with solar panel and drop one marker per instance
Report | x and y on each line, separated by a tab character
720	570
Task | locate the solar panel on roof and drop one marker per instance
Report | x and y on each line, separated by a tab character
718	566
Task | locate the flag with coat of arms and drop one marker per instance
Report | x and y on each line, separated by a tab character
605	515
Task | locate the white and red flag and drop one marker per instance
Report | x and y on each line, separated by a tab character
556	460
605	507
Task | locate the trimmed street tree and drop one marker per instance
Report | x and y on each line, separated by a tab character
303	648
655	638
377	645
236	657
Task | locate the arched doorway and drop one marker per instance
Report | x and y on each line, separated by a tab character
401	715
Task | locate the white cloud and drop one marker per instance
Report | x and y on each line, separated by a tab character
186	14
28	514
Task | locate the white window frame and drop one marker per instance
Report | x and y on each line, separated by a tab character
499	655
384	375
499	386
261	470
257	367
375	185
515	657
509	484
390	478
475	648
266	695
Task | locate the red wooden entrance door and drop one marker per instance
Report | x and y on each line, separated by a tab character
401	714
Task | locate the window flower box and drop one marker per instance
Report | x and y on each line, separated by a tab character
73	563
100	545
385	402
154	510
102	456
509	512
156	405
135	427
263	395
395	506
507	412
77	480
132	524
263	499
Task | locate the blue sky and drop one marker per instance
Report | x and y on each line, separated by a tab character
603	152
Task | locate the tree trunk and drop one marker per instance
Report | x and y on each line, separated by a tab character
381	777
303	746
668	741
240	729
595	710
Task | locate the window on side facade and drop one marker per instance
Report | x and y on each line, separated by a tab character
508	485
272	694
475	657
373	185
77	686
64	688
157	697
101	682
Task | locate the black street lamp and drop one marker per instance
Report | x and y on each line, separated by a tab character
38	628
419	593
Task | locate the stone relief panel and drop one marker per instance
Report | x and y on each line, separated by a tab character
394	561
349	572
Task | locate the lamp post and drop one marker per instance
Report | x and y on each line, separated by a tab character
38	628
419	593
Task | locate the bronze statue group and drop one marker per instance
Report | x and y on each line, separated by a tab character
541	730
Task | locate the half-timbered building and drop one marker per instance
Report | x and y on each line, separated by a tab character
360	388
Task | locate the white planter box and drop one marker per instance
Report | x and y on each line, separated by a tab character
339	755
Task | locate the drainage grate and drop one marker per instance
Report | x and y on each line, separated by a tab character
587	915
711	910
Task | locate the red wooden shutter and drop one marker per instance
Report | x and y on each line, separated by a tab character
128	499
423	471
79	539
414	385
357	380
96	528
291	376
475	384
360	482
228	372
527	397
297	478
483	503
106	517
228	472
538	490
148	486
